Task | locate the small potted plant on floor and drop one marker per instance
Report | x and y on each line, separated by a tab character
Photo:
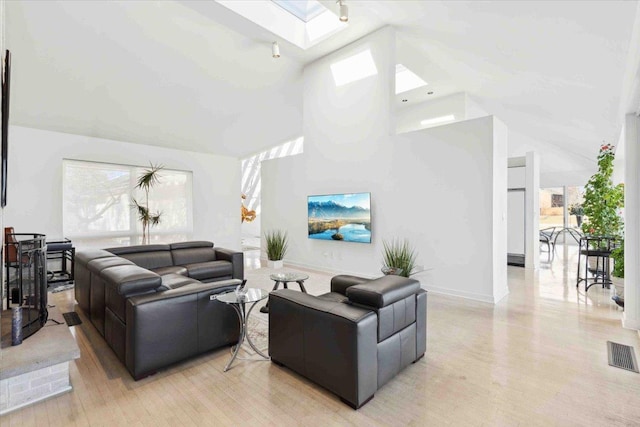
276	247
398	257
617	275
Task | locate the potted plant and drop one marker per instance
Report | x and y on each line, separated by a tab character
617	275
276	247
577	210
146	180
398	257
602	199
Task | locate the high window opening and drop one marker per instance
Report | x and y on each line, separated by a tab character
97	204
251	183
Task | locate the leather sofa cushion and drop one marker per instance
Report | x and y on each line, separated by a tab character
193	255
122	250
147	256
333	296
191	244
396	316
128	280
342	282
173	269
396	353
85	256
210	270
175	281
383	291
99	264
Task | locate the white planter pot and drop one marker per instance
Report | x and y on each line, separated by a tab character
618	284
275	264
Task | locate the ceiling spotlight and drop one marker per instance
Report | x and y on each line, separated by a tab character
344	10
275	50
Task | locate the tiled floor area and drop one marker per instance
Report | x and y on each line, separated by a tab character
537	358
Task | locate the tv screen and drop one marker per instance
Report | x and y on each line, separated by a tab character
341	217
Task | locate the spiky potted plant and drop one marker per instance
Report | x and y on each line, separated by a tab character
146	181
277	245
398	257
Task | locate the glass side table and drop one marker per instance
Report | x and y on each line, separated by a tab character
285	278
238	301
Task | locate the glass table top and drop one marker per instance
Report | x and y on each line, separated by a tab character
251	295
288	277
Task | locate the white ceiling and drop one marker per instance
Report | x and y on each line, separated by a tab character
195	75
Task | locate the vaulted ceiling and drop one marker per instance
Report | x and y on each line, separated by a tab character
196	76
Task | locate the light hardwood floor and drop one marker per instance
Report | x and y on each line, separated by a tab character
536	358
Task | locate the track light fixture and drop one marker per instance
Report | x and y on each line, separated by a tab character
275	50
344	10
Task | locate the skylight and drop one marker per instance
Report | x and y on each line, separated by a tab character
438	120
407	80
303	23
304	10
354	68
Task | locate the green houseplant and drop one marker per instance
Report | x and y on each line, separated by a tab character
602	199
398	257
617	275
277	245
146	181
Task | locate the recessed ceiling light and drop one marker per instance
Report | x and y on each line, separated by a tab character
354	68
407	79
438	120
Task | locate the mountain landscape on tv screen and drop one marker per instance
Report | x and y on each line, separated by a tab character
332	220
333	210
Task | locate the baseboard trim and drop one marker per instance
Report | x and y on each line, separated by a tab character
490	299
629	323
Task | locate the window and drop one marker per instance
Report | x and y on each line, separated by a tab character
354	68
251	183
557	200
97	200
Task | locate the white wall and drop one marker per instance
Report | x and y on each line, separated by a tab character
532	210
34	201
437	187
460	105
631	316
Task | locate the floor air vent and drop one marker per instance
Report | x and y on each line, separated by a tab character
622	356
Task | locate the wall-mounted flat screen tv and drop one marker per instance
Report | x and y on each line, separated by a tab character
343	217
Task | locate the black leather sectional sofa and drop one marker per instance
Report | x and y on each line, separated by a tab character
353	339
151	302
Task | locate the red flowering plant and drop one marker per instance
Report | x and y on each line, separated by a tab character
602	199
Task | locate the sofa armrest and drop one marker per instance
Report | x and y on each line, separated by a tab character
214	287
236	258
341	283
331	343
383	291
129	280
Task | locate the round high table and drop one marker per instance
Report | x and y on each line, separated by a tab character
285	278
238	301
